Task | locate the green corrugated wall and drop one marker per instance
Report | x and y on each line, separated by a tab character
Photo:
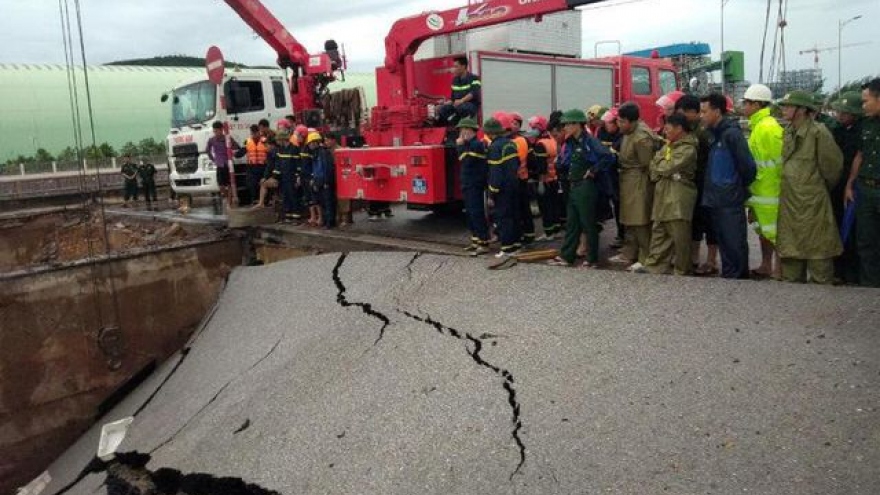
125	99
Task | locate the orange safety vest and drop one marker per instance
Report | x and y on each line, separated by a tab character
552	148
256	151
522	150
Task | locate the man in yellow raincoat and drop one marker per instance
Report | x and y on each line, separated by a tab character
765	143
807	238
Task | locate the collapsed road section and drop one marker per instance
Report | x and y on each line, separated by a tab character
622	385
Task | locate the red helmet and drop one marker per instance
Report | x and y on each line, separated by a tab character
538	123
504	119
301	130
282	124
517	116
610	116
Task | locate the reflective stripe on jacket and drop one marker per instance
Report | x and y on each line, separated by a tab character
765	143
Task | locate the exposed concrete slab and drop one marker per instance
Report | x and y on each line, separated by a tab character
620	383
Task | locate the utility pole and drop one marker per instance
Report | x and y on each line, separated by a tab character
840	25
723	81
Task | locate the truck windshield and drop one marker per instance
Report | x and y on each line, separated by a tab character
193	104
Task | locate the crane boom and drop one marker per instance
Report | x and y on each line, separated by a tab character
290	52
408	33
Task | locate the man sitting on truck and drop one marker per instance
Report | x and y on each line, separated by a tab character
465	95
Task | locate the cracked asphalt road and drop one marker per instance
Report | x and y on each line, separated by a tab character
623	384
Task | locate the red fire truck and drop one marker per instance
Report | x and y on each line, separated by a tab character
404	159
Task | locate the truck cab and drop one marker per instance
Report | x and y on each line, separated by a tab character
244	98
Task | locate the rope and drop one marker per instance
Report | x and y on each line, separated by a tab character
73	96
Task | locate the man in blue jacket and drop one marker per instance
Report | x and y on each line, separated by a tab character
730	171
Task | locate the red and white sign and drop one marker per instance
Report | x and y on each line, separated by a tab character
214	64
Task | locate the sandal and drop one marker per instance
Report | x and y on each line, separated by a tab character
706	269
586	265
557	261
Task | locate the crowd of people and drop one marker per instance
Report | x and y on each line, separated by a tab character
810	189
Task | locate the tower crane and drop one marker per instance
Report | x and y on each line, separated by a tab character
816	50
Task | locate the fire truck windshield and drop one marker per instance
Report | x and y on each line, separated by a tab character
194	104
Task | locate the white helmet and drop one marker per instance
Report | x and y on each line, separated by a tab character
758	92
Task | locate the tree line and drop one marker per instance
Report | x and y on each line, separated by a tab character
43	159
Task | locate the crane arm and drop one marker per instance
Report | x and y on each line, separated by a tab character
291	54
408	33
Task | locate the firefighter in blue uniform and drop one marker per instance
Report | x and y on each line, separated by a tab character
474	180
288	162
503	164
465	95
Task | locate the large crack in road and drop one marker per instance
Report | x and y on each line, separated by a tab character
343	301
475	347
508	384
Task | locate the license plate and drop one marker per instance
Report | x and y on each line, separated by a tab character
420	186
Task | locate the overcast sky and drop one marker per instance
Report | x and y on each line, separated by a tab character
30	30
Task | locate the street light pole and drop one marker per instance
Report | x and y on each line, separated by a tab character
840	25
723	85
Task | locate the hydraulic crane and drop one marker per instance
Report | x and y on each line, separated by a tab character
310	74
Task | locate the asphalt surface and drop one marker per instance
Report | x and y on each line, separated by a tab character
529	380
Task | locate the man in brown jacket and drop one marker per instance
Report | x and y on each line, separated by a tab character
807	238
636	190
675	195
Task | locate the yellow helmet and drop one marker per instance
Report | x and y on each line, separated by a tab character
313	136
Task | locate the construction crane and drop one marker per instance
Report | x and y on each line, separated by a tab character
816	50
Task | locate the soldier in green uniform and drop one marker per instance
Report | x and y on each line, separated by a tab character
129	177
847	135
585	159
147	173
807	239
865	175
636	190
675	195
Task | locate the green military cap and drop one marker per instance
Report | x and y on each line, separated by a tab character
467	123
574	116
799	99
492	126
850	102
283	135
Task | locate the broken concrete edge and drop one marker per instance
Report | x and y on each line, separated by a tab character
166	217
343	241
126	255
126	468
39	212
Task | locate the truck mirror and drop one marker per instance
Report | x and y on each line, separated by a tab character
164	98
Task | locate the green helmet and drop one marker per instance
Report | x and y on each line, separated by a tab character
467	123
799	99
850	102
574	116
493	127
